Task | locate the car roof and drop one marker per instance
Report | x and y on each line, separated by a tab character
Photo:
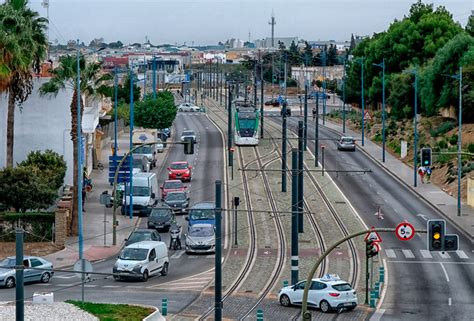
25	257
179	162
176	192
188	131
143	244
172	180
204	205
350	137
143	230
202	225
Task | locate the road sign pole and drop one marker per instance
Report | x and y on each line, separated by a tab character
283	150
300	176
367	274
294	216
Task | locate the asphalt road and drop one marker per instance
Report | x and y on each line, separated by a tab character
188	274
422	285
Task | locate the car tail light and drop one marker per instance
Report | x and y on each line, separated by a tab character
334	294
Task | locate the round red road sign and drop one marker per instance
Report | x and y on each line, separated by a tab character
405	231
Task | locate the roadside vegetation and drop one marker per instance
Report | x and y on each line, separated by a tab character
114	312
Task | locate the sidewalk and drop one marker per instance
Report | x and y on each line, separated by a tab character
444	203
94	248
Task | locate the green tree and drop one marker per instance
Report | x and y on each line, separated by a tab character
123	91
23	188
332	55
116	45
470	25
65	76
23	45
50	165
156	113
307	54
294	57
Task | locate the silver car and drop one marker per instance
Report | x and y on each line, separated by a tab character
346	143
188	133
188	107
7	271
201	238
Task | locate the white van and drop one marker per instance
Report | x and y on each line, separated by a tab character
142	260
145	191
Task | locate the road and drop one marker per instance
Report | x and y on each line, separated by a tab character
422	285
187	273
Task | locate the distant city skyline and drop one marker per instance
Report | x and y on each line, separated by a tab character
206	22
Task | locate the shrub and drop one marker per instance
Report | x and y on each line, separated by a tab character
453	140
442	144
51	166
470	148
442	129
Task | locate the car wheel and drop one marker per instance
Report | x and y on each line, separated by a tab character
45	277
324	306
285	300
164	270
350	308
117	277
10	282
192	110
181	109
145	276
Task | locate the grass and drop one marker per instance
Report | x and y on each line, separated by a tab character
114	312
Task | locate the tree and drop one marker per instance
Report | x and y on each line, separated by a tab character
470	25
116	45
23	45
23	188
50	165
307	54
353	43
294	57
65	76
156	113
332	55
123	91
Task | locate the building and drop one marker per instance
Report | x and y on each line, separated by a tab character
267	42
309	74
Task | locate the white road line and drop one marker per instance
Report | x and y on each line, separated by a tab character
390	253
445	272
433	262
426	254
177	255
461	254
444	255
194	282
211	256
111	286
90	285
134	287
377	315
61	284
408	254
449	301
196	287
65	276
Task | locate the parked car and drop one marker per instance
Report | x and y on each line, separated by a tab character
346	143
326	293
190	134
8	276
272	102
177	201
188	107
171	186
142	235
142	260
201	238
161	218
180	170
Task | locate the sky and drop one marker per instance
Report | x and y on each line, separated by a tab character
200	22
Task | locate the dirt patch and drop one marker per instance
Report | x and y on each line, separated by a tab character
33	248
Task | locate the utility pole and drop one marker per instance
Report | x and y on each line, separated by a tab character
305	115
229	126
20	284
261	99
294	216
344	99
316	133
324	87
273	23
218	256
283	150
300	176
459	142
255	84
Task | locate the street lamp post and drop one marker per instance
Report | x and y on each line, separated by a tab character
131	142
324	87
382	65
79	154
415	126
361	62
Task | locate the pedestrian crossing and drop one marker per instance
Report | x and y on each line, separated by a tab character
192	283
425	254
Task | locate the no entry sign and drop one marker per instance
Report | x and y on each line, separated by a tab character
405	231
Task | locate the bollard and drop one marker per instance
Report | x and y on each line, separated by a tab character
377	290
372	299
164	307
259	315
285	283
382	276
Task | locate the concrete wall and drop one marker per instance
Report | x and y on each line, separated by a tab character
44	124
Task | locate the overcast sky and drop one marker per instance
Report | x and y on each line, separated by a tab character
210	21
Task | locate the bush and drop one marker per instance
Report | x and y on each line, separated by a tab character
51	166
442	129
453	140
470	148
442	144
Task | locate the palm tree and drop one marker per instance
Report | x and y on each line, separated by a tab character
92	82
23	44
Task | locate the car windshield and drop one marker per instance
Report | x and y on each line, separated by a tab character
173	185
133	254
179	165
138	191
188	133
140	236
342	287
176	197
8	263
160	213
201	231
347	140
143	150
202	214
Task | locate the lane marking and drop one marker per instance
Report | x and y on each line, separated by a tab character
433	262
178	254
408	254
426	254
111	286
377	315
461	254
444	255
390	253
445	272
65	276
449	301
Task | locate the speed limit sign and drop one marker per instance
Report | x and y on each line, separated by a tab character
405	231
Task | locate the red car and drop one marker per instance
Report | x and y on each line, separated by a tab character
180	170
171	186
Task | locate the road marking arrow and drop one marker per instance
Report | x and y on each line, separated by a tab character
423	216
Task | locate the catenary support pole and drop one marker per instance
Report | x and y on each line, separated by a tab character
294	216
316	134
218	256
283	150
305	116
459	204
261	100
20	284
300	176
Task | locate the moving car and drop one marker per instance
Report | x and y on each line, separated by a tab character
202	213
201	238
8	276
180	170
177	201
145	189
326	293
142	260
161	218
190	134
142	235
346	143
188	107
141	164
272	102
171	186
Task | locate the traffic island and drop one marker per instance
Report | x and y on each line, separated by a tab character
119	312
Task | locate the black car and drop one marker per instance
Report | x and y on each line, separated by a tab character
160	218
142	235
178	201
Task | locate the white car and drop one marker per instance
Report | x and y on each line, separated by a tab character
188	107
188	134
326	293
201	238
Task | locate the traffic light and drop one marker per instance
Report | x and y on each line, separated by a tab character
436	235
426	156
188	146
371	249
451	242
